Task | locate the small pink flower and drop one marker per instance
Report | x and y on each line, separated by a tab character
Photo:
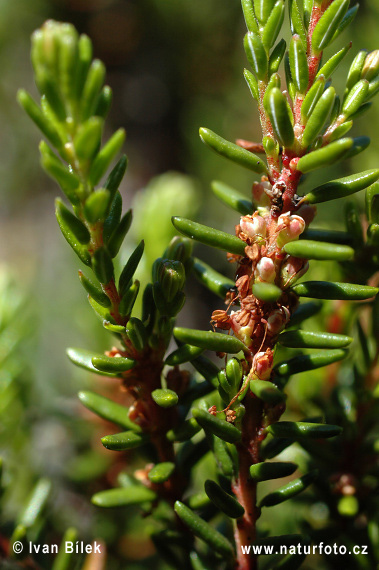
262	364
253	226
265	270
259	194
290	227
277	320
292	269
307	212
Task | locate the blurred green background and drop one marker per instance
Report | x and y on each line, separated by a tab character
174	65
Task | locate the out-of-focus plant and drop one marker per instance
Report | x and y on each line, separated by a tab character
235	412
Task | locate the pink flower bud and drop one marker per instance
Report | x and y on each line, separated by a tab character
290	227
259	195
307	212
277	320
262	364
292	269
253	226
265	270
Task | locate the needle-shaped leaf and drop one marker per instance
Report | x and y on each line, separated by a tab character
130	268
184	353
305	362
213	280
209	236
112	364
288	491
161	472
273	25
277	109
209	340
303	312
318	116
298	64
296	22
308	249
222	500
328	24
276	57
331	65
266	471
221	428
107	409
309	339
341	187
325	156
204	530
124	440
232	198
105	156
165	398
267	391
267	292
329	290
125	496
300	430
233	152
94	291
83	359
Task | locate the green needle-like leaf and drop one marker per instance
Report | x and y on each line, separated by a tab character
342	187
288	491
277	109
267	292
305	362
105	156
221	428
325	156
232	198
318	116
107	409
112	364
267	392
83	359
308	339
161	472
184	353
209	340
308	249
204	530
165	398
328	290
256	54
124	440
266	471
298	64
213	280
209	236
328	24
133	495
222	500
233	152
300	430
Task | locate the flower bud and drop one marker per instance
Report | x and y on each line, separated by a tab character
290	226
265	270
292	269
253	226
277	320
259	194
262	364
371	66
307	212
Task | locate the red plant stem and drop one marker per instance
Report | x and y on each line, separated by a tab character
244	488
